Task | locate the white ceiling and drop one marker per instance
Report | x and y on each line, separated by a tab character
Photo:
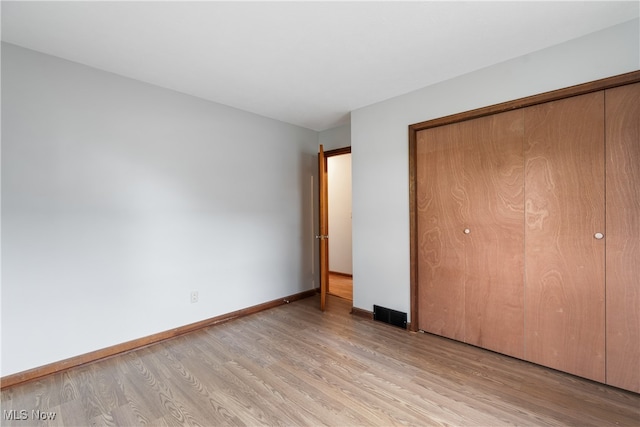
305	63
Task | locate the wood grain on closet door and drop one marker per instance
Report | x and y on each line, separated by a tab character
440	260
623	236
564	263
494	245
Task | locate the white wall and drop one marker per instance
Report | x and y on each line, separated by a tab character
338	137
119	198
339	179
379	138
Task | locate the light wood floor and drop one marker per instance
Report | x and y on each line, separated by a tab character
294	365
340	286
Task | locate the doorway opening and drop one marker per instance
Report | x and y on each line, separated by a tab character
339	202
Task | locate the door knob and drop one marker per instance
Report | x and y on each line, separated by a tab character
598	236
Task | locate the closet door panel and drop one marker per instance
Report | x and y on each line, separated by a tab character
440	200
564	263
623	236
494	246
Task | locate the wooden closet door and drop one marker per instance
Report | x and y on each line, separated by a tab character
440	260
623	236
564	263
494	246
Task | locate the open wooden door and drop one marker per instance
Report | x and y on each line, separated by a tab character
324	228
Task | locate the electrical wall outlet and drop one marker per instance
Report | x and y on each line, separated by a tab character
194	297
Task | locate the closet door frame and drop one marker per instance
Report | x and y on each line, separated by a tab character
607	83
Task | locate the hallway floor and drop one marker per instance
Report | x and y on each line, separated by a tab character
341	286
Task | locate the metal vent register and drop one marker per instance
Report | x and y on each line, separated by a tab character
392	317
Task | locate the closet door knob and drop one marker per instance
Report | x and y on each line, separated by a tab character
598	236
467	231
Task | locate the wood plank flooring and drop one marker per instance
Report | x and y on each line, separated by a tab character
293	365
340	286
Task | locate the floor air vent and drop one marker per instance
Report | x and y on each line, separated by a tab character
392	317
